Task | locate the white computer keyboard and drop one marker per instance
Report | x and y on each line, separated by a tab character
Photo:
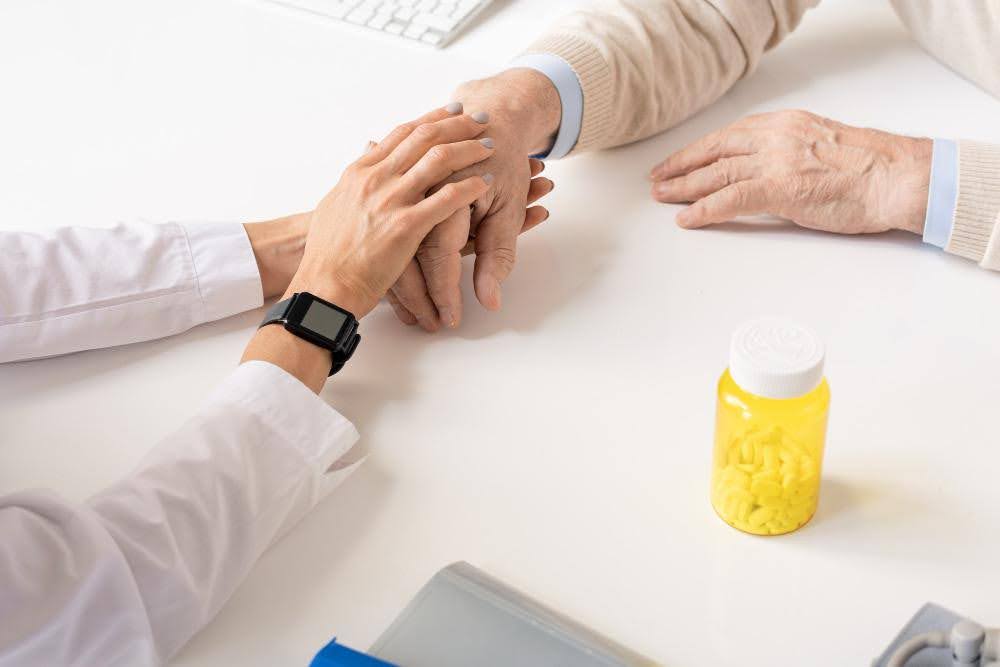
433	22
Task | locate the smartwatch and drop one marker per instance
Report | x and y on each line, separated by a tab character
319	322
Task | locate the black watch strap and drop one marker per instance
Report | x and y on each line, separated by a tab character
319	322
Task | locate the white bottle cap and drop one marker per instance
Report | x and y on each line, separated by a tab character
776	358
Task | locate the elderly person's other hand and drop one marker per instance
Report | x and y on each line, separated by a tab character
816	172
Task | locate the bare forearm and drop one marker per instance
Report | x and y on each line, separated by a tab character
277	246
305	361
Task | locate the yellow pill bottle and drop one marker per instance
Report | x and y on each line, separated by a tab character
770	428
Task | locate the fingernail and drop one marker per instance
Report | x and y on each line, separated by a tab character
481	117
684	217
447	317
546	215
552	184
454	107
368	147
488	178
488	142
662	189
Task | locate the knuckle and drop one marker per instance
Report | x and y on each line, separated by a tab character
724	170
401	221
426	132
432	259
504	256
740	194
369	186
439	153
405	128
451	192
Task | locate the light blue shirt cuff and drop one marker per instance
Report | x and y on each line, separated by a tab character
942	193
570	92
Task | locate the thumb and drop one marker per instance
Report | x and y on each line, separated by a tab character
496	246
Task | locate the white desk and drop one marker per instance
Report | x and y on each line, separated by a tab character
562	445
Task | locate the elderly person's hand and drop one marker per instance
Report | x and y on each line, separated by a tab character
437	267
811	170
523	111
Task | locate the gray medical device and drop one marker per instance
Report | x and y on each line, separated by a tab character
938	637
465	617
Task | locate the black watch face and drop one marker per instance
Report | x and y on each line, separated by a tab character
324	320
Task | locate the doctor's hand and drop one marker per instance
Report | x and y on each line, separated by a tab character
523	111
816	172
365	231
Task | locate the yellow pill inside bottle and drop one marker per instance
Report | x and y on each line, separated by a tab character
770	428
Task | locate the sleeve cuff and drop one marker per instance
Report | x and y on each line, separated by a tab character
225	268
321	434
978	202
942	194
570	92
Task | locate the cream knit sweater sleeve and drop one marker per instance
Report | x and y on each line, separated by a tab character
975	230
646	65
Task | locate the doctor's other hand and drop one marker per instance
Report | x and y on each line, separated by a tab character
816	172
365	231
523	111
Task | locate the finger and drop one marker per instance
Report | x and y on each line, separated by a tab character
383	148
439	206
402	314
368	147
539	188
425	135
440	261
536	166
743	198
702	182
442	161
726	142
533	217
411	291
496	250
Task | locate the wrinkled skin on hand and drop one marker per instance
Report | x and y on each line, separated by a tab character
816	172
523	111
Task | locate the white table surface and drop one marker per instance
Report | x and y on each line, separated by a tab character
563	445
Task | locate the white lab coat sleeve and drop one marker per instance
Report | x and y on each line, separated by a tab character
75	288
128	577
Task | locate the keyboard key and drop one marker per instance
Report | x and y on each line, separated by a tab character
442	23
432	22
432	37
361	16
415	31
380	21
